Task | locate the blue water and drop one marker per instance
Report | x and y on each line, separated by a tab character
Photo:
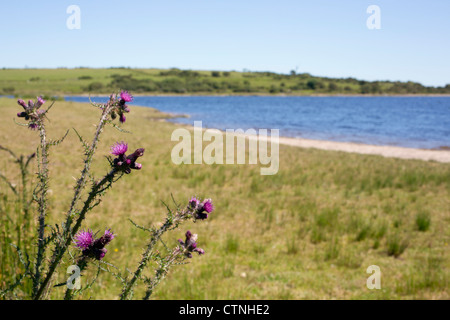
416	122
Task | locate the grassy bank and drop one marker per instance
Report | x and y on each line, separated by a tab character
308	232
175	81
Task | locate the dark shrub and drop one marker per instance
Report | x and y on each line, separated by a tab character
95	86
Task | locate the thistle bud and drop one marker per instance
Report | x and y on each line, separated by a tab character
22	103
190	245
39	102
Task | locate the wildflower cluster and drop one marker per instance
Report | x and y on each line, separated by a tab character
123	162
32	112
201	209
120	105
190	245
91	247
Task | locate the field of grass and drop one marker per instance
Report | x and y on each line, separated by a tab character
308	232
63	81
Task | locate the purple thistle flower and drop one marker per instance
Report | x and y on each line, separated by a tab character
94	248
208	206
84	239
119	148
107	237
126	96
202	209
32	113
122	118
109	234
126	163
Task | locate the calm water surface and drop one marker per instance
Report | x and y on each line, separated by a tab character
416	122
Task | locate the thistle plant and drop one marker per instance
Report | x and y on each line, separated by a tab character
71	239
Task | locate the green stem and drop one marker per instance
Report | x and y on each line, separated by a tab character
170	223
81	183
82	264
61	249
161	273
42	203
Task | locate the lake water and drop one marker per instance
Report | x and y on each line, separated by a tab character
416	122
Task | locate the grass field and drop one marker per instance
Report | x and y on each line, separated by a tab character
58	82
308	232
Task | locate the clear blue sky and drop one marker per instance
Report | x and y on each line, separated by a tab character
322	37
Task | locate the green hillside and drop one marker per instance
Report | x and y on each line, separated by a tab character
175	81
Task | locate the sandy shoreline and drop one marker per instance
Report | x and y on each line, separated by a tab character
385	151
351	147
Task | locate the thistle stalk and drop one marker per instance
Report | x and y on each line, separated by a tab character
82	264
196	210
68	233
161	272
61	248
81	183
42	204
171	222
25	202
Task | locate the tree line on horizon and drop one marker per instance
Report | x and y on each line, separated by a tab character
177	81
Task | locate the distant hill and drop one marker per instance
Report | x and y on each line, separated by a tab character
54	82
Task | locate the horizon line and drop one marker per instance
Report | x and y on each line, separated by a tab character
244	70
